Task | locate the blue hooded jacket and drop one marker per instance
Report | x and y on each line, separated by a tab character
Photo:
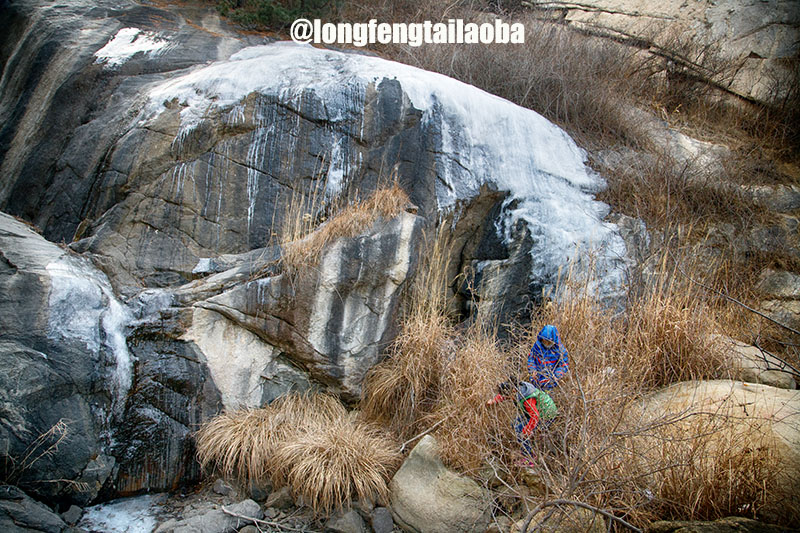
547	365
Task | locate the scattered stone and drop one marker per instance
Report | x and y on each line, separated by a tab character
382	520
250	529
223	488
569	519
280	499
72	515
348	522
272	513
364	507
751	365
19	512
534	481
427	496
735	524
217	521
500	524
259	493
168	526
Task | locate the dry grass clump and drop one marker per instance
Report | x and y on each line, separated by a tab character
306	441
328	464
401	390
303	241
717	468
469	431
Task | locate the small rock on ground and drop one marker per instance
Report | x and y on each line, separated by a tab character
382	520
349	522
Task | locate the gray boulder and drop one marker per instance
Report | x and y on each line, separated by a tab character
382	520
753	365
20	514
346	522
427	497
217	521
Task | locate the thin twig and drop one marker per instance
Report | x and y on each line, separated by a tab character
731	298
412	439
576	504
784	366
265	522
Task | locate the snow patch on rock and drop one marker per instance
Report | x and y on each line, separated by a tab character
83	308
127	43
484	140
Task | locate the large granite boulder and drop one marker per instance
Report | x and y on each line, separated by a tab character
725	432
427	497
759	39
160	137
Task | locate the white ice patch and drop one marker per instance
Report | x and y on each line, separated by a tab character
127	43
129	515
83	308
485	140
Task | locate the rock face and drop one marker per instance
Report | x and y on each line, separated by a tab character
164	147
166	159
134	379
752	365
119	405
426	497
738	424
759	38
65	365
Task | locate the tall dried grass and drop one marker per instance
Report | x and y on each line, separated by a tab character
304	239
308	442
402	389
329	463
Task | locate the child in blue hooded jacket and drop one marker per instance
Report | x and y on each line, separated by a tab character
548	360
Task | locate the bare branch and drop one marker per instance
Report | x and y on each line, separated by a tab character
592	508
270	523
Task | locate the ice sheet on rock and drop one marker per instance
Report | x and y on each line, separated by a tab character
83	308
129	42
484	140
128	515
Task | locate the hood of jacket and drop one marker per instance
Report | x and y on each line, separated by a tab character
550	333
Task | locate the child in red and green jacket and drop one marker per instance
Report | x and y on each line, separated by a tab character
534	405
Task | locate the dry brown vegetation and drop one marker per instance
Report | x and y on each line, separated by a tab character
308	442
599	450
303	236
437	377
